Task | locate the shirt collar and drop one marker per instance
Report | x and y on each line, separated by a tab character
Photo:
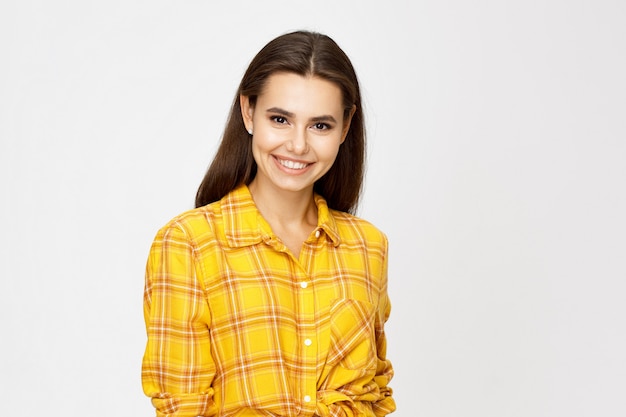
326	221
244	225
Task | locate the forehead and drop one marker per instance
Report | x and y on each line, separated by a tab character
301	94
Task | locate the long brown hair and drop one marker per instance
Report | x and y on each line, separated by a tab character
307	54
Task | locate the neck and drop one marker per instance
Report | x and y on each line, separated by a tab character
285	208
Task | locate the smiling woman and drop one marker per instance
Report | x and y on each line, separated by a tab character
292	146
270	298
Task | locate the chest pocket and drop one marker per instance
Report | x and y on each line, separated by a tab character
352	344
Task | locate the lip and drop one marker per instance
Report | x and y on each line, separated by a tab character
296	169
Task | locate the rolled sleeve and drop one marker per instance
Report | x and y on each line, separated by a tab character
177	368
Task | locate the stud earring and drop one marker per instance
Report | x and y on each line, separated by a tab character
250	132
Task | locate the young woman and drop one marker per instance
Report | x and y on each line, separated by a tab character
270	298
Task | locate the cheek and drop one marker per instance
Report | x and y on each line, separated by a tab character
261	142
266	138
329	150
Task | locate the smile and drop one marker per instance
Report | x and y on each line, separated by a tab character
292	164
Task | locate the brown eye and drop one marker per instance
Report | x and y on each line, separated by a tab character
321	126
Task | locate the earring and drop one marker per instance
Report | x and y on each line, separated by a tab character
250	132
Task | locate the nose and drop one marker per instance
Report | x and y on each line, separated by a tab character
298	142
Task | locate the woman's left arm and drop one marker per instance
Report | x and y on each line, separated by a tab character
384	370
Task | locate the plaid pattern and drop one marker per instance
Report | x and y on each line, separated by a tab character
238	327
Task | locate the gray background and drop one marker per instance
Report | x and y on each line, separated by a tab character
496	166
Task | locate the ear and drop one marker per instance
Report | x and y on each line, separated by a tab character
247	111
346	123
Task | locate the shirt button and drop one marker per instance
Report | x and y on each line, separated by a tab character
307	342
317	233
304	284
307	398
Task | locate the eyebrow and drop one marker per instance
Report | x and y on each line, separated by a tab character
283	112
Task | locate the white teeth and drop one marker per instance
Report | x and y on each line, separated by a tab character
292	164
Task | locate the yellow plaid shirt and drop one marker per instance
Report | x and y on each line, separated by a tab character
238	327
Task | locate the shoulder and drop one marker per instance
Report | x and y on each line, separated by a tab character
226	222
194	226
352	228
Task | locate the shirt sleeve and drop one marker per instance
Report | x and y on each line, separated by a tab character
177	367
384	371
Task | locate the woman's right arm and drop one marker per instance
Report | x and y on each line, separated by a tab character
177	368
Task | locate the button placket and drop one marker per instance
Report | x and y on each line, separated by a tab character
308	352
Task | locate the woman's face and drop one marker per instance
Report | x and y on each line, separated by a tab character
298	126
